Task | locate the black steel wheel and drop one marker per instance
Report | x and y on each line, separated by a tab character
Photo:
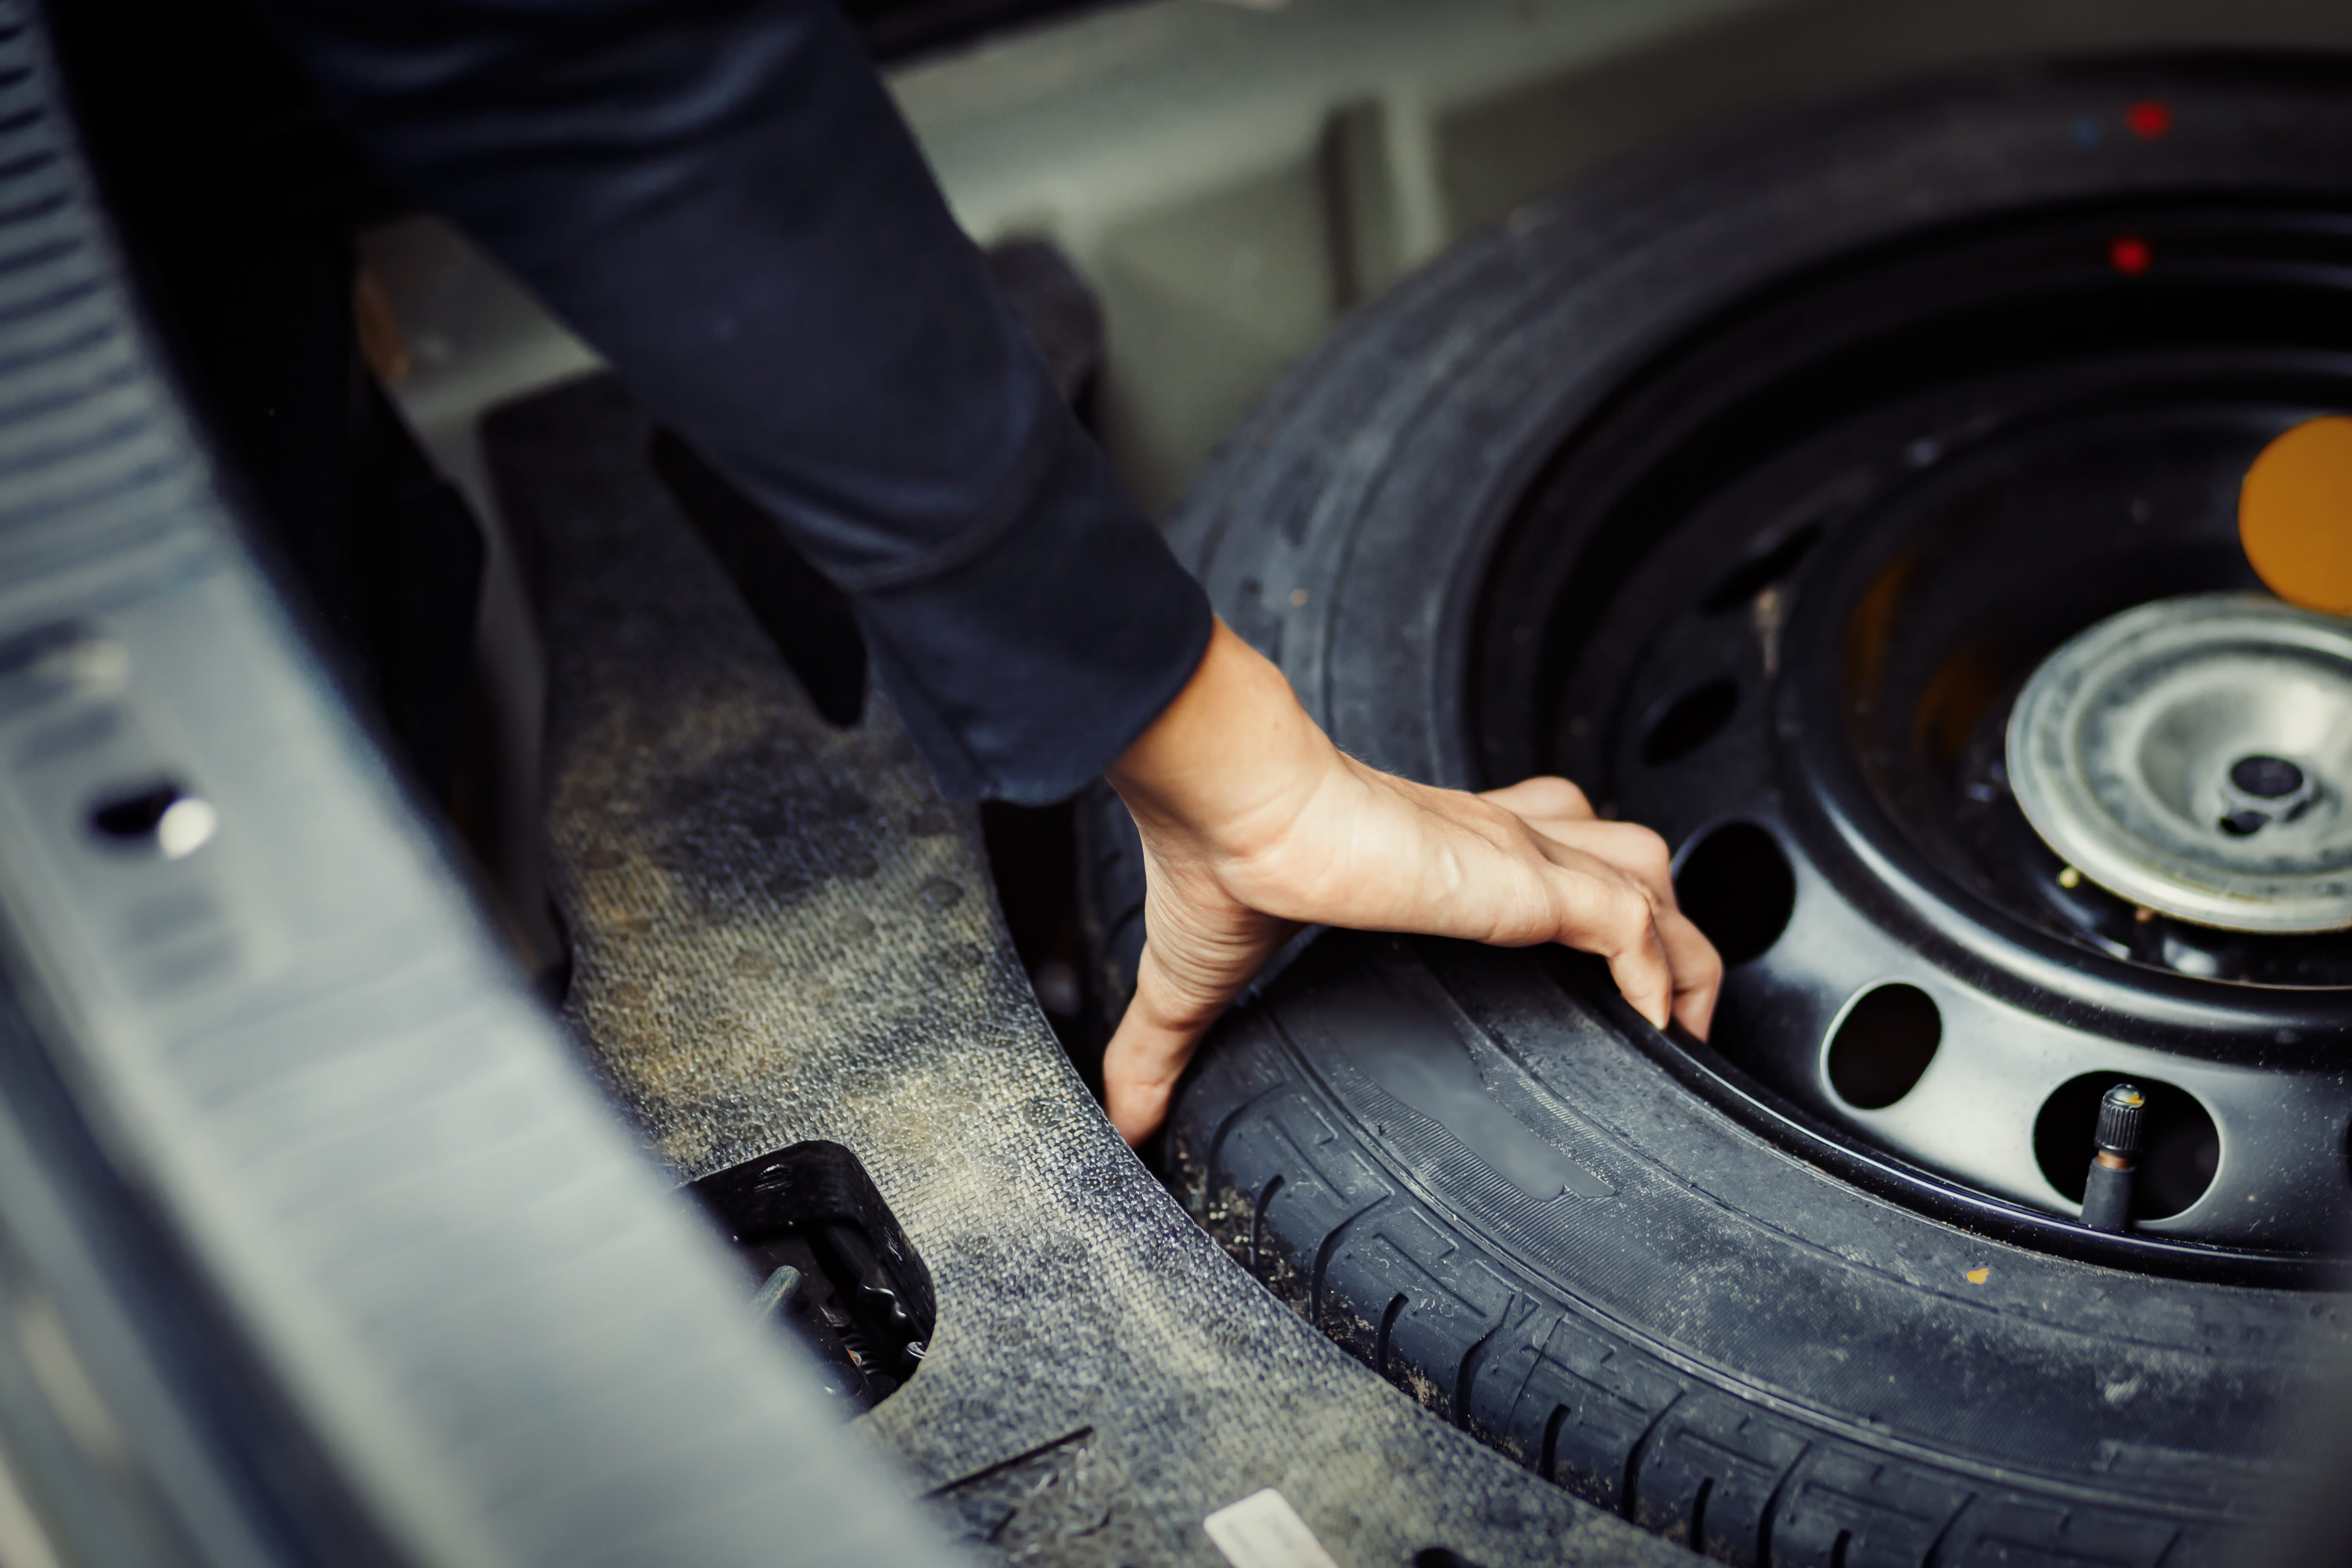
1748	486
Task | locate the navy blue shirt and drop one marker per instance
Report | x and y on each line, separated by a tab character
721	198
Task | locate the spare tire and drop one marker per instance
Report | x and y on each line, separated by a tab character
1644	1268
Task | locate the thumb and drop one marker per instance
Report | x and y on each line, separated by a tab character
1175	1003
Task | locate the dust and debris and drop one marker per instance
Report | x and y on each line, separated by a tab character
1425	1394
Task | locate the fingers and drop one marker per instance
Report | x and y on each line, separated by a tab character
1543	797
1560	811
1661	960
1186	977
1612	914
1698	970
1631	847
1695	968
1142	1062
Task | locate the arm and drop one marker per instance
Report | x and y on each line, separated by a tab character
1254	824
720	197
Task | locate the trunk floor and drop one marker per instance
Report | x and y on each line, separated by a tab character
780	931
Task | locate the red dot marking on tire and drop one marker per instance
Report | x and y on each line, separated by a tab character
2148	119
2128	254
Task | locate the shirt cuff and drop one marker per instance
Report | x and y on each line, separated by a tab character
1023	669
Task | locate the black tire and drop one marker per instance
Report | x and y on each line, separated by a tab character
1475	1169
1703	1334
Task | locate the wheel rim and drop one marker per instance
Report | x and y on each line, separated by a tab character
1779	599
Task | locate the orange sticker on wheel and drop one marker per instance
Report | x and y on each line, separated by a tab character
2294	515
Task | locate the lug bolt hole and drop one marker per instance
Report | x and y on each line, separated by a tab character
1689	721
1736	886
1882	1046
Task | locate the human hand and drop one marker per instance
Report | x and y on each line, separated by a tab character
1253	825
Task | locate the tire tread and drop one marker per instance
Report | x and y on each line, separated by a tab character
1263	1157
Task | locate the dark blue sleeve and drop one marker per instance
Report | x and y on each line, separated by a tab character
722	200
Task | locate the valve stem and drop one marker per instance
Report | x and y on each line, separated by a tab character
2106	1194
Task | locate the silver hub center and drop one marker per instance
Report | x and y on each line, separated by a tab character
2194	755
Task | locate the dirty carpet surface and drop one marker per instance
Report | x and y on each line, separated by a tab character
780	931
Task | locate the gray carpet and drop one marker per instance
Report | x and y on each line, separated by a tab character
780	932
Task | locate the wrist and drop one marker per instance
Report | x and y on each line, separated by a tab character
1234	758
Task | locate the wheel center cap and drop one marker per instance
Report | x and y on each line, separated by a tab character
2194	755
